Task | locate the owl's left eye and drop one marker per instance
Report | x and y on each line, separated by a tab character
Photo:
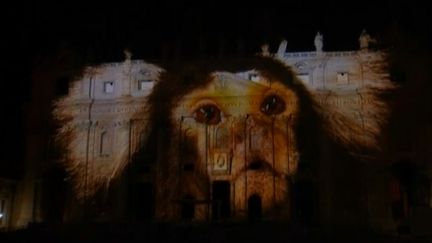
207	114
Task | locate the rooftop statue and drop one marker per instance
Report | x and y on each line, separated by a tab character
365	39
282	49
318	42
265	50
128	54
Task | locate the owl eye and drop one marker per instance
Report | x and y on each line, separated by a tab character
273	105
208	114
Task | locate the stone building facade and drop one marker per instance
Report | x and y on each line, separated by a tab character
108	122
104	123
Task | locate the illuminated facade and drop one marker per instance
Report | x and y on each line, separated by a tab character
234	152
226	149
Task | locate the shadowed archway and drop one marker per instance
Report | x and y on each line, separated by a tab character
254	207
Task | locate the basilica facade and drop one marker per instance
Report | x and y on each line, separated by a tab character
233	154
287	136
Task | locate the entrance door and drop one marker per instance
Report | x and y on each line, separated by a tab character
221	200
254	207
188	207
143	201
304	199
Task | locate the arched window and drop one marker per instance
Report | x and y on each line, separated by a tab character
141	139
105	144
255	141
222	138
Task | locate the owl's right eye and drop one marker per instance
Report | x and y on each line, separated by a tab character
208	114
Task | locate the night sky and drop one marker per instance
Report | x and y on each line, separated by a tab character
35	32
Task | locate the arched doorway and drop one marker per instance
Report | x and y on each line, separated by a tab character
143	201
304	202
410	195
188	207
221	200
254	207
54	196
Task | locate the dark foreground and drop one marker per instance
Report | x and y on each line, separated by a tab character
209	233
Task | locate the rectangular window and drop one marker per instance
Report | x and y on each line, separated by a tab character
342	78
145	84
254	77
109	87
304	77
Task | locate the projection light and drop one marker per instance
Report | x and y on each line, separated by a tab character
226	122
1	215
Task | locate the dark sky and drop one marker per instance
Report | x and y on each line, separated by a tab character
106	28
36	29
98	32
